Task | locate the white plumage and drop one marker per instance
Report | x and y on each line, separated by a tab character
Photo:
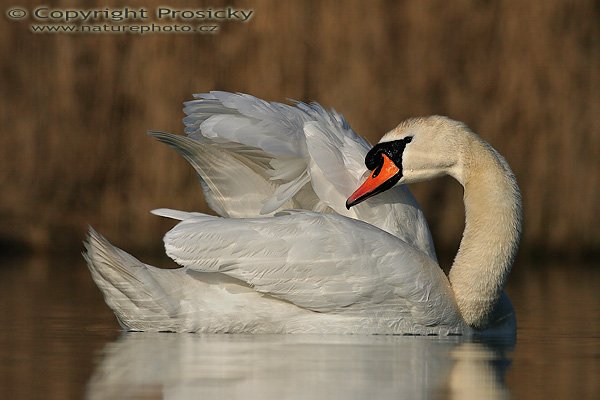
286	256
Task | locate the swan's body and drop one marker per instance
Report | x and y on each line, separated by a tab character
319	267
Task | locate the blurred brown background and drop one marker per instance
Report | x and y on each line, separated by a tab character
74	108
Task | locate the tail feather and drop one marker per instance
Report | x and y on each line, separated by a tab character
140	295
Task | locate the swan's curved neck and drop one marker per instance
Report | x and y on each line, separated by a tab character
492	232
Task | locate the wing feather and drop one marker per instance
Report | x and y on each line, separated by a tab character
273	156
321	262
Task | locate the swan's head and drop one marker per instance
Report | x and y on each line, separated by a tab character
418	149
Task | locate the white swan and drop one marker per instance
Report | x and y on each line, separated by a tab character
289	257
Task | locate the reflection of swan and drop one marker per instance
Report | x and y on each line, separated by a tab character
318	270
141	365
478	371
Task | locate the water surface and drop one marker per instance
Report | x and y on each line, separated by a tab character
60	342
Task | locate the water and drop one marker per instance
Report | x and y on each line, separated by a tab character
60	342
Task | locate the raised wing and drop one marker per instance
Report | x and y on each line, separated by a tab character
321	262
256	158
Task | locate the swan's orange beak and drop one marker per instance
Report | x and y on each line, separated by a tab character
381	179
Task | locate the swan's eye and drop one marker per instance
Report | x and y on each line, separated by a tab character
392	149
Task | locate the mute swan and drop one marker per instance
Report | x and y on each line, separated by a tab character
299	250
